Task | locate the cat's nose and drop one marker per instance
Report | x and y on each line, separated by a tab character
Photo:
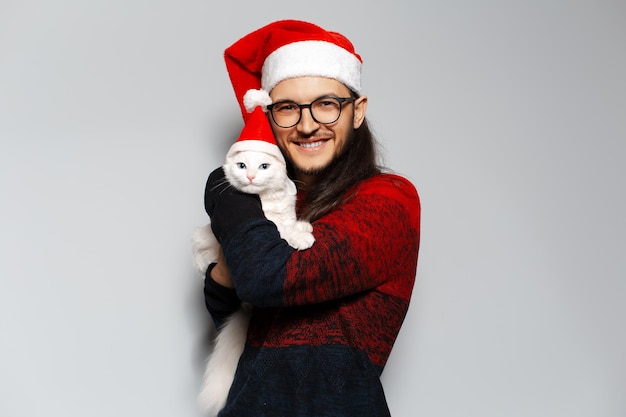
250	177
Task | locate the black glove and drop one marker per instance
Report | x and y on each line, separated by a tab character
228	207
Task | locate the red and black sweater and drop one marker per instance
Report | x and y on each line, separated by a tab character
326	318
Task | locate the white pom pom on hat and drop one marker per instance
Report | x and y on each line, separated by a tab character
256	98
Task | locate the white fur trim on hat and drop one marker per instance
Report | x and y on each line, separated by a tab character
311	58
255	145
256	98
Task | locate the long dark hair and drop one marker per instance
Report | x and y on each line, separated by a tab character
357	163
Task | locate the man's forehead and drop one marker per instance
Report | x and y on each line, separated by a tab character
308	88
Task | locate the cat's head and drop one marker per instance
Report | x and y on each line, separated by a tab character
257	172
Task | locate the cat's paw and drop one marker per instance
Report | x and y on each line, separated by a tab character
303	226
301	240
204	248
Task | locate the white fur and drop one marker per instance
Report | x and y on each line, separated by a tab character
312	58
276	191
254	98
222	363
204	248
266	175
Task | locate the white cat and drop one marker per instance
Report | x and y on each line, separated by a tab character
264	174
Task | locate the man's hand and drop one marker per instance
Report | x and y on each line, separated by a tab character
220	272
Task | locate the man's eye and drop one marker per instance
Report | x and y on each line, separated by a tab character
285	107
327	103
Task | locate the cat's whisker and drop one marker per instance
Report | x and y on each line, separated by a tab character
226	185
223	183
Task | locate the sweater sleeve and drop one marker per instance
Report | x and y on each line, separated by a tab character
369	242
220	301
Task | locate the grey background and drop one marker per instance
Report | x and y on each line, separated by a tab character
508	117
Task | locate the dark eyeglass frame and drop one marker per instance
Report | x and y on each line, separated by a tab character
341	101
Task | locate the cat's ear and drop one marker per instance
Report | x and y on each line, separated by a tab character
291	187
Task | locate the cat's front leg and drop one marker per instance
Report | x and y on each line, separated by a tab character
303	226
205	248
298	238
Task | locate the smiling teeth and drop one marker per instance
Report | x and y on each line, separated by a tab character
311	145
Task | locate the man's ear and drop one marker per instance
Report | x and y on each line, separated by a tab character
360	106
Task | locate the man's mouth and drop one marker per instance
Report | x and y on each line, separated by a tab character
311	144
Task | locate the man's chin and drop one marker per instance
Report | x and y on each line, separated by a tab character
315	170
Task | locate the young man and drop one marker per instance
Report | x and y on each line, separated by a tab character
324	319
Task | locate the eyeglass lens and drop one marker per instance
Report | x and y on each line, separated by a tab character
324	110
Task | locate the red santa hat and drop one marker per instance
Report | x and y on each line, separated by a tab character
256	135
287	49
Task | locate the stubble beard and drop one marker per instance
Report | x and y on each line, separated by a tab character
312	170
319	170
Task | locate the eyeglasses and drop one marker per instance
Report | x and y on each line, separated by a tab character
324	110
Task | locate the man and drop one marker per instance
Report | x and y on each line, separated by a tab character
324	319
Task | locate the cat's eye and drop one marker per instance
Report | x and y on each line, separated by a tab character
241	165
264	166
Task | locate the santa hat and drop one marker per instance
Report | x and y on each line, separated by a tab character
287	49
256	135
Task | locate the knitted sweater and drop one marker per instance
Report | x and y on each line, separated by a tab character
324	319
